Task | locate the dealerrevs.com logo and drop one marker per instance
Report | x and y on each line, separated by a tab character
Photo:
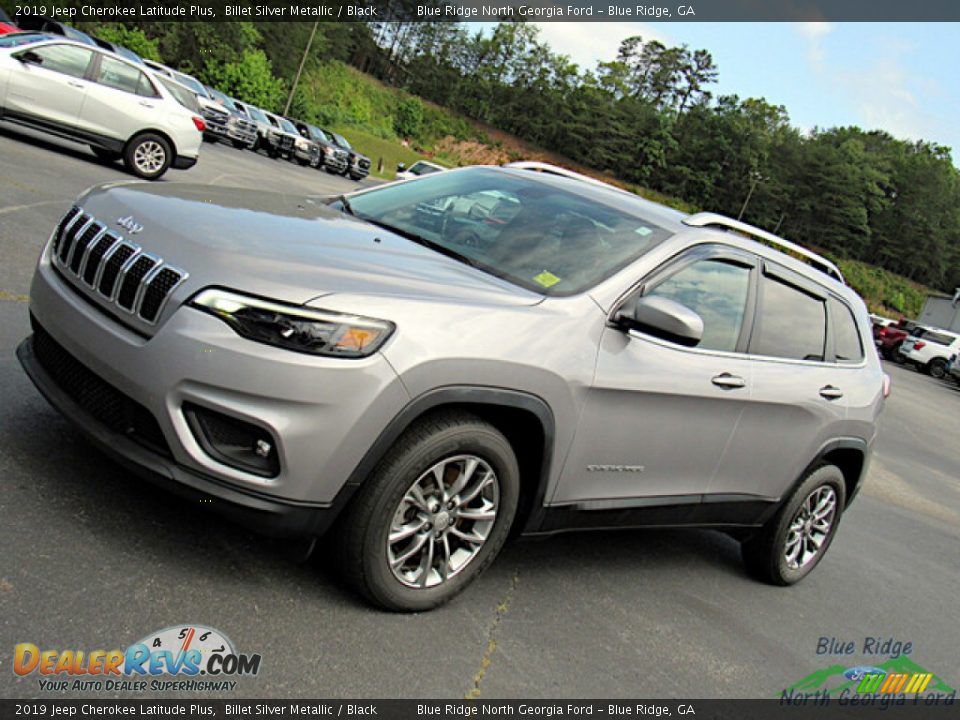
187	658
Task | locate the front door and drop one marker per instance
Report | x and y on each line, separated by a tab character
659	416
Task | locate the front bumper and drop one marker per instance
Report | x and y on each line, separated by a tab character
260	512
323	413
241	135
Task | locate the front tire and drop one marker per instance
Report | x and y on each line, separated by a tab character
148	156
795	540
432	516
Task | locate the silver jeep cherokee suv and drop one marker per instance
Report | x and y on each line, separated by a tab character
423	367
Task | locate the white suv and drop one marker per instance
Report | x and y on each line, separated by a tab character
931	351
95	97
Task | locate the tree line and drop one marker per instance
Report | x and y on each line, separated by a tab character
649	117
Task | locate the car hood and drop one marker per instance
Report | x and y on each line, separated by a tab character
292	248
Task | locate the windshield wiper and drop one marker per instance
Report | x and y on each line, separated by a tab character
345	204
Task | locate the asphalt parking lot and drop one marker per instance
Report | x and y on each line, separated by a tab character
91	557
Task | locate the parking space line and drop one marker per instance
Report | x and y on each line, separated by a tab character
11	297
502	607
30	206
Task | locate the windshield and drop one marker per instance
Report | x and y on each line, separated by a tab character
288	126
540	236
342	141
181	94
318	134
257	114
422	168
18	39
191	83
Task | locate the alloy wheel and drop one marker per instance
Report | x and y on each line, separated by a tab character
810	527
149	157
443	521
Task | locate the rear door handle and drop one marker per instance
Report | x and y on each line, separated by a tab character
74	83
830	392
146	104
728	381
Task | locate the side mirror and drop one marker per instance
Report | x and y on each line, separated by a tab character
401	167
663	318
29	58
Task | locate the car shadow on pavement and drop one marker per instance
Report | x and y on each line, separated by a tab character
68	148
84	497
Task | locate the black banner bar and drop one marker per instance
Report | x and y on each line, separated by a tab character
886	706
492	10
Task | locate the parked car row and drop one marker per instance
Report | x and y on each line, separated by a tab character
930	350
60	80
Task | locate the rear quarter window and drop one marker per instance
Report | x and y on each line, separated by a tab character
846	339
791	323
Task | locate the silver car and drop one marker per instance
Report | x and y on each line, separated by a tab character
376	368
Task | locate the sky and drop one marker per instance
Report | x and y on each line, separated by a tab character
900	77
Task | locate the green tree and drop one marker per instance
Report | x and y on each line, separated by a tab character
250	78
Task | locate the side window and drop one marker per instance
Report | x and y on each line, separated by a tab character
846	339
119	75
791	323
67	59
717	291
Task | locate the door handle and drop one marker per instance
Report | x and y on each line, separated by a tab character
830	392
146	104
74	83
728	381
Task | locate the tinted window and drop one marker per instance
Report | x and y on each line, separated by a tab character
938	337
123	76
17	39
181	94
846	339
792	324
717	292
66	59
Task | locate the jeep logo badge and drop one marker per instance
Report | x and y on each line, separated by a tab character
129	224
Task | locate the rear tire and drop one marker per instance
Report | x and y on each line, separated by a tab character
794	541
148	156
423	488
937	368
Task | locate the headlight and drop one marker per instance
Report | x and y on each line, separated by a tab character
303	144
294	327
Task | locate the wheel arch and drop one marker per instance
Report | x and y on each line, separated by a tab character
849	454
526	420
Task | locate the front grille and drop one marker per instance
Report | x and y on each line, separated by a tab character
95	395
364	163
120	271
286	142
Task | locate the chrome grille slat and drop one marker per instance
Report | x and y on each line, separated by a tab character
132	286
119	273
80	244
70	235
93	265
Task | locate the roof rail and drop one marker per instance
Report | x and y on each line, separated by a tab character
706	219
549	169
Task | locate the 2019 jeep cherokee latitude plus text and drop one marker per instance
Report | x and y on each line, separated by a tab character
419	368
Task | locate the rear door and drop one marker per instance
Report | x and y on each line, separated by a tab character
659	416
51	89
799	392
121	100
